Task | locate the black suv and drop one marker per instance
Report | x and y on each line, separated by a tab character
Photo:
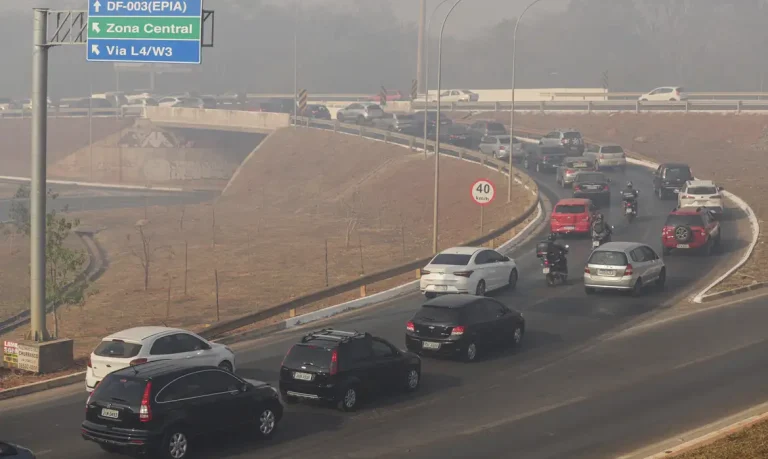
592	185
160	407
669	178
463	326
341	367
543	158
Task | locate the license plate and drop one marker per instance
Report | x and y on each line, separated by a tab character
430	345
579	164
441	288
683	246
302	376
604	272
628	211
569	228
545	270
112	414
595	243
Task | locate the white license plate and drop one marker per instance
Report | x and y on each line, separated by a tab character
604	272
430	345
683	246
569	228
302	376
595	243
579	164
545	270
440	288
628	211
112	414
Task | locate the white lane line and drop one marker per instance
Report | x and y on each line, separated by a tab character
720	353
511	419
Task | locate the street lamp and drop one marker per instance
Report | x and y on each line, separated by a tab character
512	111
426	74
437	126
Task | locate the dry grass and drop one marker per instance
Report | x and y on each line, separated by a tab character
300	190
13	378
750	443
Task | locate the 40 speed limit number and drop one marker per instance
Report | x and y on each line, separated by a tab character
483	192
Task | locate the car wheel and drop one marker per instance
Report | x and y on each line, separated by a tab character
430	295
175	444
637	289
597	165
110	448
349	399
470	353
267	423
708	248
480	289
517	335
226	366
412	379
512	282
589	290
662	279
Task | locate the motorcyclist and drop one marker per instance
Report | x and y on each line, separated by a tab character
556	254
629	194
601	230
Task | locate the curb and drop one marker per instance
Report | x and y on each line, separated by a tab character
42	385
95	184
733	292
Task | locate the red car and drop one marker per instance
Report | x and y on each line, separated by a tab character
572	215
690	228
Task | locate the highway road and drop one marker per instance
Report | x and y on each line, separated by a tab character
566	392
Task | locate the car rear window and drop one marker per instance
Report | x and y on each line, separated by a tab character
576	164
438	314
677	173
572	135
302	354
612	149
496	127
118	349
702	190
690	220
582	177
120	388
570	209
450	259
604	257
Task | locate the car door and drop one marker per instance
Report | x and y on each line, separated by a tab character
166	348
185	396
500	269
225	399
195	350
356	361
504	320
387	364
483	269
654	261
639	264
480	324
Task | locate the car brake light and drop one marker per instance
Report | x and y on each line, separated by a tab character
145	412
409	326
628	270
334	362
546	262
457	331
424	272
463	273
686	197
576	188
569	171
605	187
137	362
586	270
502	147
89	362
563	141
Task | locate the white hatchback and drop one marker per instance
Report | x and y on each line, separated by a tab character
669	93
474	270
145	344
701	193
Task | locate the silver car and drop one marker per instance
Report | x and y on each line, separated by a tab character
566	172
398	122
627	266
498	147
360	112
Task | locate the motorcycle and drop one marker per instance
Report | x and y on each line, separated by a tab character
551	273
629	207
597	241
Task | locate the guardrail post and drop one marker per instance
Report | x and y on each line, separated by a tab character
386	137
541	107
687	106
589	107
637	106
482	160
495	106
418	274
738	106
410	143
461	154
498	168
292	313
363	291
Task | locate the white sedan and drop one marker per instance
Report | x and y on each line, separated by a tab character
474	270
145	344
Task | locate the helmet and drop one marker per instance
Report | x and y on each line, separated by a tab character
599	217
552	237
629	184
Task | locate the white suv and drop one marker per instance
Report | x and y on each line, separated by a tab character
144	344
701	193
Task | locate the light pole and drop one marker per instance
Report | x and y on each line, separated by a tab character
295	63
437	127
426	74
512	111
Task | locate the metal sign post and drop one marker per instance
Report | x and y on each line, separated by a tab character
482	192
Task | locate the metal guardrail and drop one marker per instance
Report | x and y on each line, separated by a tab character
77	112
636	106
221	328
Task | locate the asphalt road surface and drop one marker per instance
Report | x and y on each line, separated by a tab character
566	392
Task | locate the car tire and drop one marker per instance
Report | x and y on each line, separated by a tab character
589	290
175	444
480	289
470	352
637	289
412	379
662	280
360	120
349	399
512	281
226	366
708	248
517	335
112	449
266	422
597	165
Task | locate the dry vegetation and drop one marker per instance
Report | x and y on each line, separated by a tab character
750	443
265	238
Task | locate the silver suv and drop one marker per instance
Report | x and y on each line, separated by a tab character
627	266
360	112
570	139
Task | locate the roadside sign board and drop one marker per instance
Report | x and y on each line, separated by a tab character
414	89
153	31
302	100
483	192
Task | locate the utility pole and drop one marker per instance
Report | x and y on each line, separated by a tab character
422	45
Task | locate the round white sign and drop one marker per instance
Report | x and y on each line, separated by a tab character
483	192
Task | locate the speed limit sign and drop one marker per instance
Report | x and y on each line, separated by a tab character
483	192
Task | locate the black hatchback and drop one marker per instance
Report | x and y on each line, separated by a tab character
463	326
160	408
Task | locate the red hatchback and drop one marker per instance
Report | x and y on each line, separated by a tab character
690	228
572	216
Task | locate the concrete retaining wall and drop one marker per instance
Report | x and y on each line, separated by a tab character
230	120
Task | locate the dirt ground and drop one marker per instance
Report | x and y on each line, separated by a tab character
750	443
730	149
265	238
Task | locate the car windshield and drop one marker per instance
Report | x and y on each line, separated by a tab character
117	349
437	314
677	173
572	135
582	177
308	355
120	388
612	149
690	220
604	257
570	209
702	190
450	259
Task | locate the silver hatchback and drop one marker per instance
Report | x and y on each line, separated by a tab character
627	266
360	112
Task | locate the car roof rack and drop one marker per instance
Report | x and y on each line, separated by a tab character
332	334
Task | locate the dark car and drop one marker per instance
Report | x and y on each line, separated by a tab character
669	178
159	407
317	111
343	367
10	451
543	159
431	120
592	185
480	129
455	134
209	102
463	326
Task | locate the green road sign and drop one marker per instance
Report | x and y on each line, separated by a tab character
159	28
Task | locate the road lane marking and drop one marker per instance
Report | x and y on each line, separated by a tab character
518	417
720	353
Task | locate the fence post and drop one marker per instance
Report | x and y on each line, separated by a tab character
738	106
336	127
410	143
216	274
363	291
589	107
292	313
687	106
418	274
541	106
637	106
461	154
361	131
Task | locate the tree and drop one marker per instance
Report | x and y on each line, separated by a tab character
146	252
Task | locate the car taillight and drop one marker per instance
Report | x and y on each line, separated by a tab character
605	188
628	270
89	362
463	273
602	156
502	147
334	362
677	92
586	270
137	361
409	326
423	272
145	412
585	218
569	171
546	262
564	141
457	331
686	197
576	188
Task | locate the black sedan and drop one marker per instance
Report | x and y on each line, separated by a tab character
592	185
15	451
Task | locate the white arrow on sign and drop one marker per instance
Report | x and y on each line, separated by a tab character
96	6
95	49
96	27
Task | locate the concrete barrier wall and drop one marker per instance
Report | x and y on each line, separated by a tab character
532	95
225	119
